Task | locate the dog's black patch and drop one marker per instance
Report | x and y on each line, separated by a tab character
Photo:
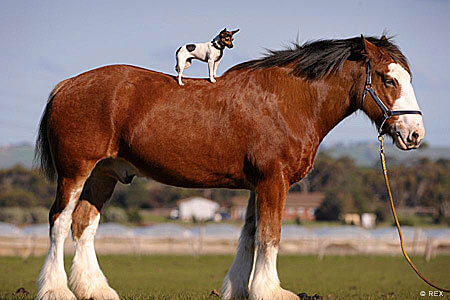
176	53
190	47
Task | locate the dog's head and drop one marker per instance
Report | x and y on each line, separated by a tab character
226	37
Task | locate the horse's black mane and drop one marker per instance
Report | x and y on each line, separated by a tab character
315	59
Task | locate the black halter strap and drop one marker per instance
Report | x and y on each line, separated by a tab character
387	113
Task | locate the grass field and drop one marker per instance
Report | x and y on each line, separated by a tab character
188	277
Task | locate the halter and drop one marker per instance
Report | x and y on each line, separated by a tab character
387	113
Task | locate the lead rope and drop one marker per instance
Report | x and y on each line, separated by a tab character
386	180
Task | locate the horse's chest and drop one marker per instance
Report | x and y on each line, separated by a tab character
301	165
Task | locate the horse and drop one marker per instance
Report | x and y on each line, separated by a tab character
258	128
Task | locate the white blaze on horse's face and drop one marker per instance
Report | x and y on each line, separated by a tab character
409	130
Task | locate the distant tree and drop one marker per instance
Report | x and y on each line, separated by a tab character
115	215
18	197
134	216
348	188
330	209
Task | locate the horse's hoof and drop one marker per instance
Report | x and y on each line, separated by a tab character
304	296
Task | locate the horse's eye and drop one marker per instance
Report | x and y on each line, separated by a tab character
389	82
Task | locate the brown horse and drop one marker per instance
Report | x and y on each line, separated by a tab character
257	128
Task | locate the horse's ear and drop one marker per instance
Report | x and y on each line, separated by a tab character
370	51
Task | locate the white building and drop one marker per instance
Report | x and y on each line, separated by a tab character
368	220
197	208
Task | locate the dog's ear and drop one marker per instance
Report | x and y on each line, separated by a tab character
235	31
224	30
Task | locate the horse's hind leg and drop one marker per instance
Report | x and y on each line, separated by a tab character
52	282
236	282
87	280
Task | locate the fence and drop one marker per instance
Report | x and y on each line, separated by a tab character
222	239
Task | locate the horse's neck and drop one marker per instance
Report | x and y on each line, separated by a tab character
327	101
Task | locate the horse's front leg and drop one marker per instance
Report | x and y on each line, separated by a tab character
270	197
237	281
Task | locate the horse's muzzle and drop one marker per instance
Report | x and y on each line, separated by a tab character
409	140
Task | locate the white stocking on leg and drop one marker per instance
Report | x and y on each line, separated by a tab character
236	282
265	284
52	282
87	279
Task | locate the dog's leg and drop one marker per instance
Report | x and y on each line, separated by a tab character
181	65
180	72
216	65
211	70
187	64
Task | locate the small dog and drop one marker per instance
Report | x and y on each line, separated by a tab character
210	52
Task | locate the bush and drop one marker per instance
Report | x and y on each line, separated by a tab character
15	215
382	213
405	221
115	214
17	197
20	216
134	216
39	215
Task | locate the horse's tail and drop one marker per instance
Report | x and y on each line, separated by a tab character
42	153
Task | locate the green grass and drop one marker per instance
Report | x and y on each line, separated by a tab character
189	277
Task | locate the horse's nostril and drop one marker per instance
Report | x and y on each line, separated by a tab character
413	137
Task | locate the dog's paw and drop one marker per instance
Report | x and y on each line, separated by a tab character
212	80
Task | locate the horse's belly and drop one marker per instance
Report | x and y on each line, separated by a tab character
188	167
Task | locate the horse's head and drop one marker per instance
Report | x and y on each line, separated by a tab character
391	82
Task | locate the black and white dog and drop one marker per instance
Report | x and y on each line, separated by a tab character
210	52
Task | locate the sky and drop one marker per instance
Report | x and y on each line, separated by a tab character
44	42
